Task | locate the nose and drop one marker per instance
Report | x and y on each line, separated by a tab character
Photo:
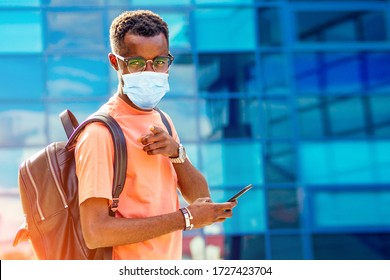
149	66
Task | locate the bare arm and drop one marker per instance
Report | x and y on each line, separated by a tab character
102	230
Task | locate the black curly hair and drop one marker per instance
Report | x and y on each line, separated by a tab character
140	22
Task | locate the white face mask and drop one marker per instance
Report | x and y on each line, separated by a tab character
145	89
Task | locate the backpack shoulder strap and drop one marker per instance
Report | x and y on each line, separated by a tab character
69	122
120	151
164	120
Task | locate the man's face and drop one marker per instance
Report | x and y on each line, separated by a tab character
146	47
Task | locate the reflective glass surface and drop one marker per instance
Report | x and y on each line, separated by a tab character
14	85
351	246
343	162
225	29
286	247
223	161
337	26
21	31
351	208
230	72
77	76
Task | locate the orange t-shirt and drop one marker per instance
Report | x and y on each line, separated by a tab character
151	181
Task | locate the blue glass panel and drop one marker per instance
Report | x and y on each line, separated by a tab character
381	113
286	247
179	33
246	218
342	123
232	72
74	2
10	160
225	29
277	115
81	110
81	31
216	2
71	76
21	32
279	162
161	3
358	246
283	208
342	73
269	27
22	124
20	3
345	162
347	208
229	118
378	65
336	26
274	75
311	122
14	85
183	115
182	76
224	161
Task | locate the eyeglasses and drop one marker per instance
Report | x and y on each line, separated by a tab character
160	64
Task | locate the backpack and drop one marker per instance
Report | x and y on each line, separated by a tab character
48	189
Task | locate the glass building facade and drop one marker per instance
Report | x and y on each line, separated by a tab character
291	96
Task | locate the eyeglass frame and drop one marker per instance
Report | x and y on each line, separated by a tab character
126	60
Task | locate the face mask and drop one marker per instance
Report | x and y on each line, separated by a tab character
145	89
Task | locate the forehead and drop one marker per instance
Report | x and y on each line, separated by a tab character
147	47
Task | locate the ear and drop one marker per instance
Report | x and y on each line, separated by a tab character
113	61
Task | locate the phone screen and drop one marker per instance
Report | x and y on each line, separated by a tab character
240	193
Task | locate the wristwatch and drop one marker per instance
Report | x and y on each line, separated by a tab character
182	155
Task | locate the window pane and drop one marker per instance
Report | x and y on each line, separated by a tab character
345	162
351	26
274	75
178	29
340	73
24	125
226	72
21	3
21	32
160	3
378	66
245	247
286	247
381	115
370	246
15	86
280	162
277	117
182	76
313	123
81	31
225	29
230	118
283	208
73	76
351	209
269	27
74	2
223	161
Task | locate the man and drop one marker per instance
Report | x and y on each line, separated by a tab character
148	223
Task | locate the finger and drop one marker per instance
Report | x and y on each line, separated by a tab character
155	129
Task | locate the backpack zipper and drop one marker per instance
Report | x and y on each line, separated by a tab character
56	179
36	191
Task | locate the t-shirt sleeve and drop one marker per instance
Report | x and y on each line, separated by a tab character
94	155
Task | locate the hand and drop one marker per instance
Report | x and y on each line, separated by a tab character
205	212
159	142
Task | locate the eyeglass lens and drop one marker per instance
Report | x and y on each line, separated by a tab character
160	64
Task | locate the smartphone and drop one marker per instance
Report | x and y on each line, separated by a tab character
240	193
